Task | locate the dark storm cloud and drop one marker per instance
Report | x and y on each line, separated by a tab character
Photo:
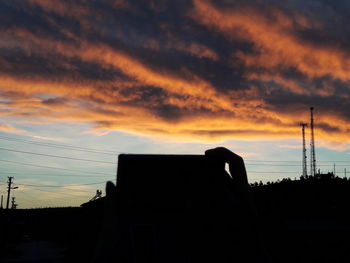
328	128
22	15
55	101
22	64
211	69
291	102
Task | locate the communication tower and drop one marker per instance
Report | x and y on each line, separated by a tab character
303	125
312	145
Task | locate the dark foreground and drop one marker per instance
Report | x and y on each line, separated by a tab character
301	221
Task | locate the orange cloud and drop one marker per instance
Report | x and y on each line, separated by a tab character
274	39
108	115
9	128
142	97
242	123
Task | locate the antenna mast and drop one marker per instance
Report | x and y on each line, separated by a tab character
303	125
312	145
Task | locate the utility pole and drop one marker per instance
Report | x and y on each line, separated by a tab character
345	172
334	169
303	125
9	188
312	145
2	198
13	203
8	191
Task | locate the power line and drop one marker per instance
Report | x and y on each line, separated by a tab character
272	161
113	153
51	167
75	175
78	190
58	175
56	156
62	185
66	194
27	199
334	161
38	201
266	164
274	172
284	172
292	161
61	146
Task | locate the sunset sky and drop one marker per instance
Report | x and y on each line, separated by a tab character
88	79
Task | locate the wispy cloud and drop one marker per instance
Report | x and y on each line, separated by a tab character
9	128
56	139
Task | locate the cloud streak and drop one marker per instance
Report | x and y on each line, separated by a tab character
202	70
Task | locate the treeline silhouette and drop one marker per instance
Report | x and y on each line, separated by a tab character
320	195
303	220
318	177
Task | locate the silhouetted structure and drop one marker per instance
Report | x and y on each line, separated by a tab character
179	208
303	221
13	203
9	188
312	145
304	167
97	195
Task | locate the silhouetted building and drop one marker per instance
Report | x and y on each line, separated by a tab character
179	209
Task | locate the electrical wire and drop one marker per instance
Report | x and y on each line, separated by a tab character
61	146
293	161
274	172
109	152
63	188
66	194
57	175
67	185
266	164
27	199
56	156
51	167
249	162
